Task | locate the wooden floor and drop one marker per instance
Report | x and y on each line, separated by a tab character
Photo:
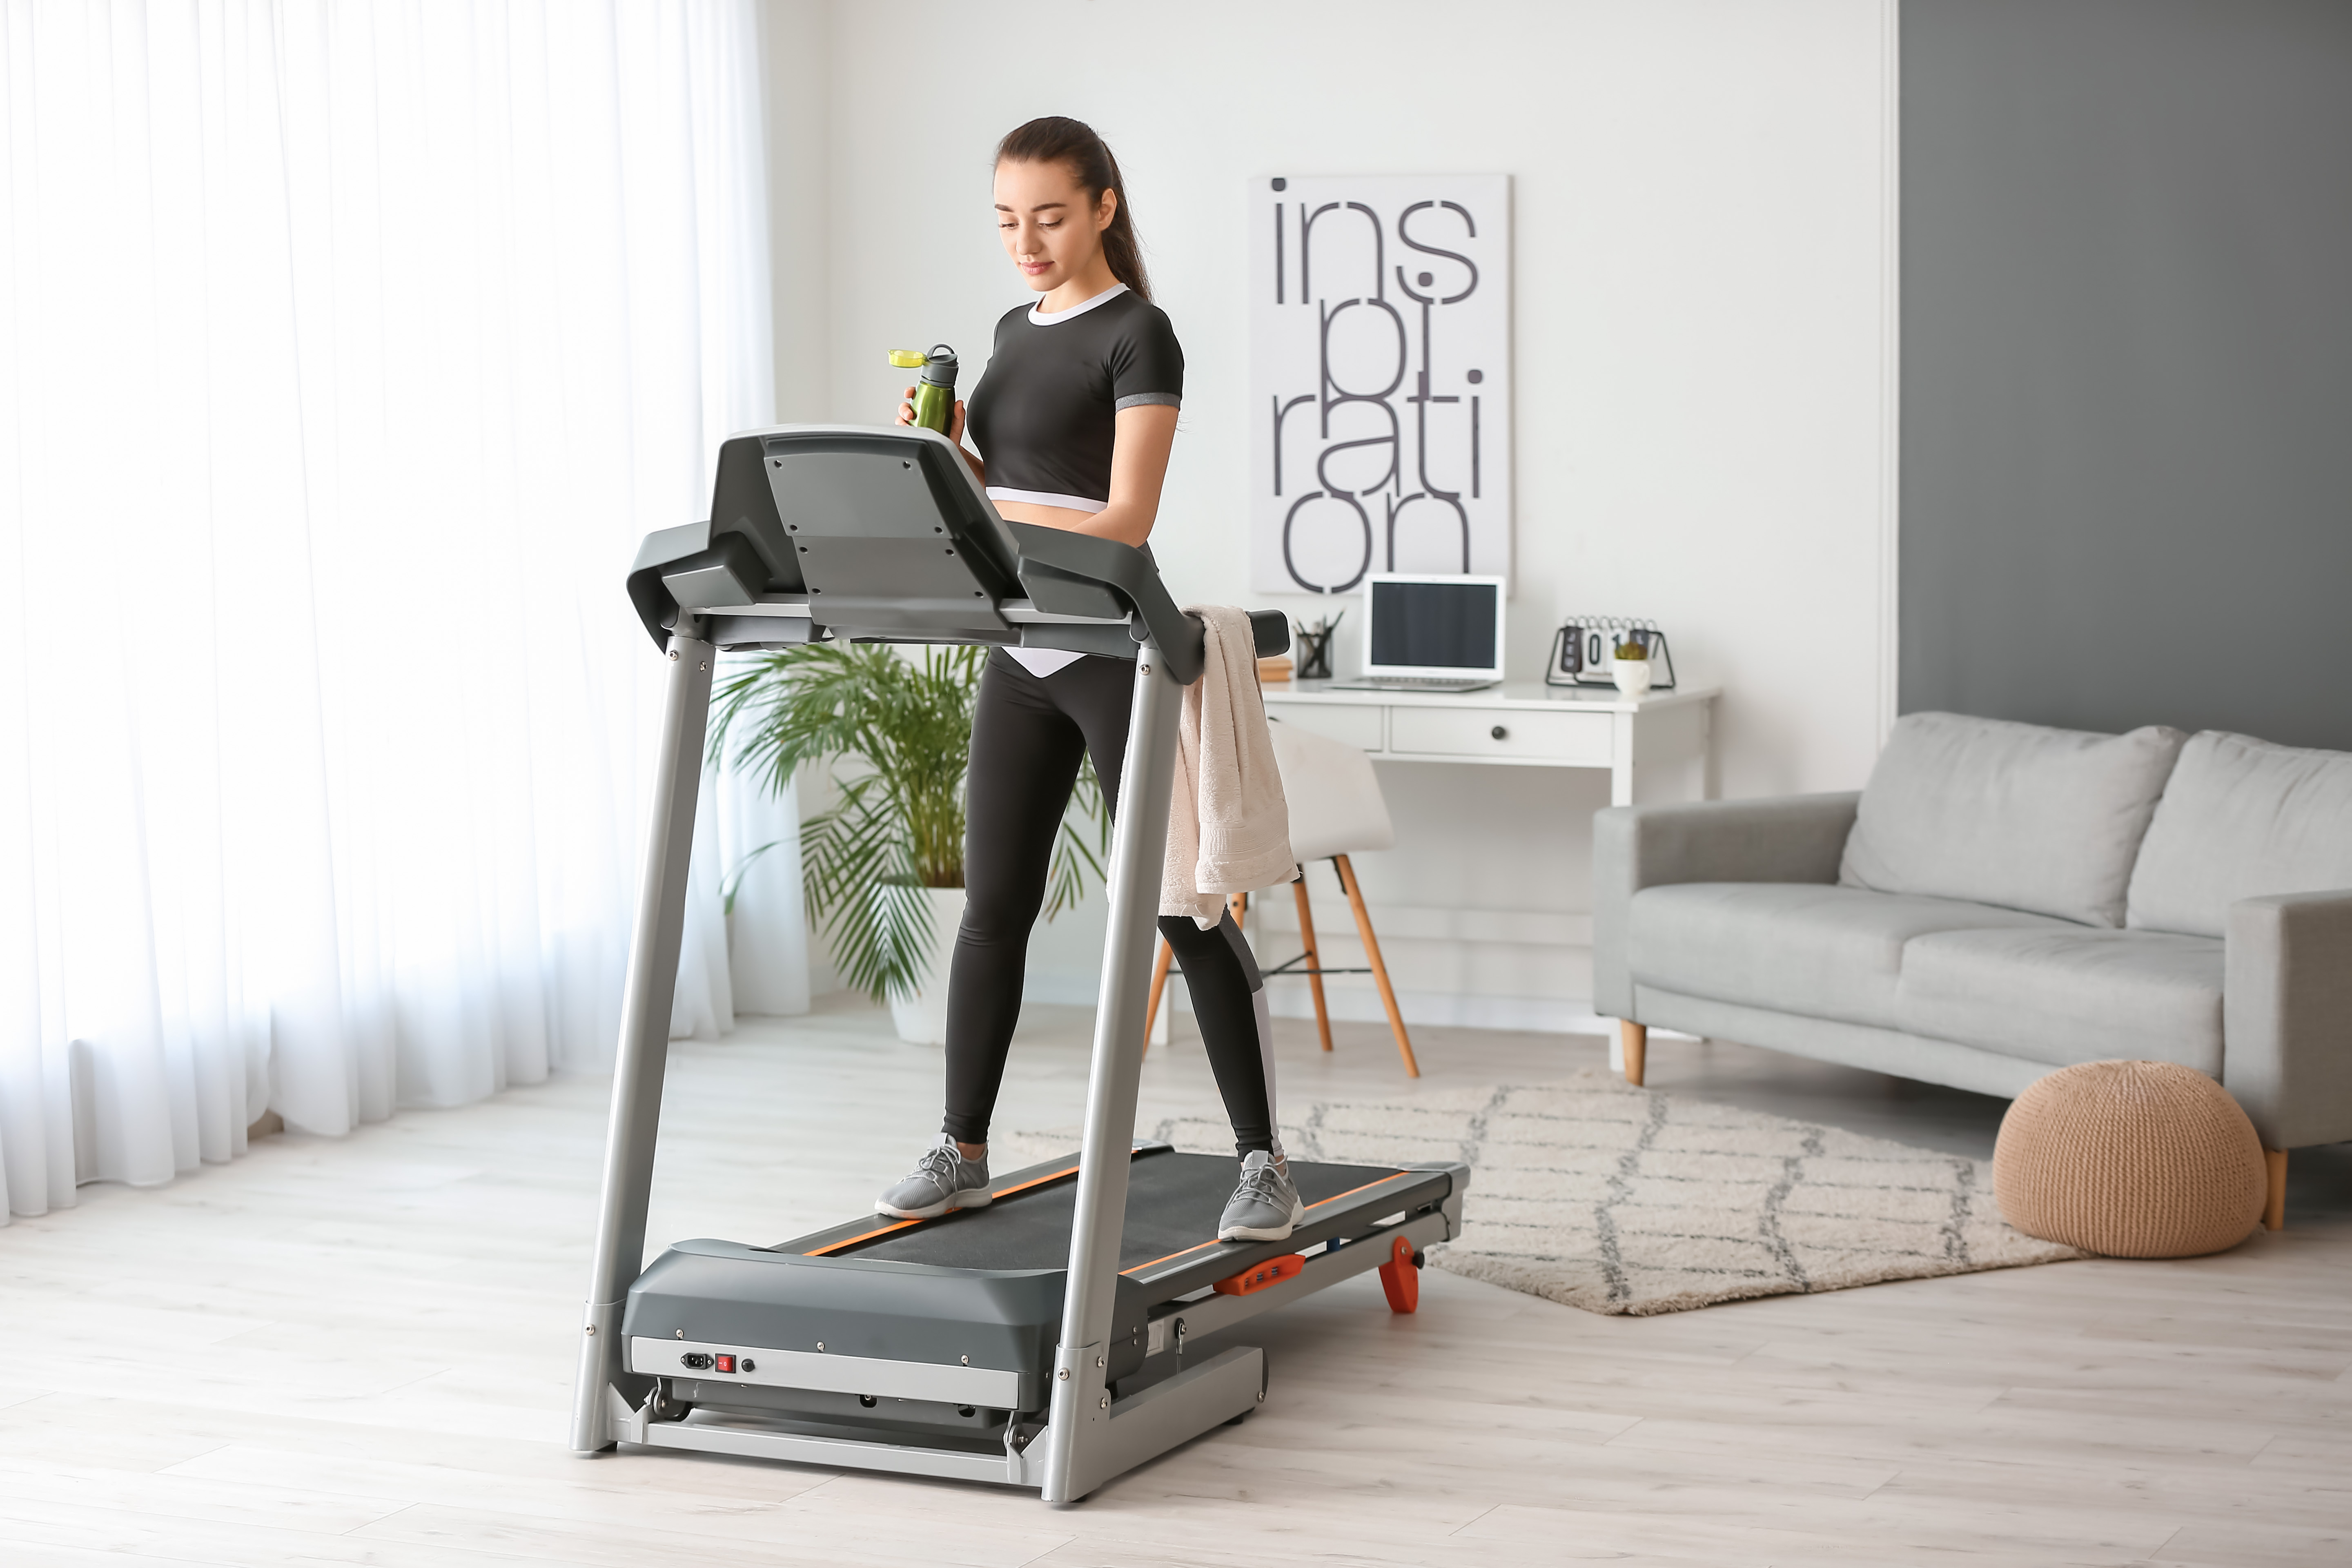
359	1352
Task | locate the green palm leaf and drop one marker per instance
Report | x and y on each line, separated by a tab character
895	728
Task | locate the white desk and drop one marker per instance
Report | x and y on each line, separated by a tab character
1520	724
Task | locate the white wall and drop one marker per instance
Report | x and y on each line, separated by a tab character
1703	245
796	47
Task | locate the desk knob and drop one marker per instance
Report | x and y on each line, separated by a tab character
1499	733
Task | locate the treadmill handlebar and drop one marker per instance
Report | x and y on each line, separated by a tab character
873	505
1082	560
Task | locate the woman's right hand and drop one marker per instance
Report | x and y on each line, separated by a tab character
955	416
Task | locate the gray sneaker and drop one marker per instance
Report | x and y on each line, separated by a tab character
1265	1205
941	1180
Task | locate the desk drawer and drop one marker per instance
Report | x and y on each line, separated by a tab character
1578	739
1359	727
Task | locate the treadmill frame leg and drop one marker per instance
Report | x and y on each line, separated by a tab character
1086	1441
643	1052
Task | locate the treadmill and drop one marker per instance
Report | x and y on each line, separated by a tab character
1054	1339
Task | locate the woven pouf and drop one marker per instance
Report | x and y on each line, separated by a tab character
2130	1160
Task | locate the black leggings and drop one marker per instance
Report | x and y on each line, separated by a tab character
1027	735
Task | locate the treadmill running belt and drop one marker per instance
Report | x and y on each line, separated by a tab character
1174	1201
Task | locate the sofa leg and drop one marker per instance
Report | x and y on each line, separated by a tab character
1635	1038
2274	1201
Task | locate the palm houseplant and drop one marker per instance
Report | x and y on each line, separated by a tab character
884	863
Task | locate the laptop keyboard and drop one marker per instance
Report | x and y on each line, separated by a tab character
1414	683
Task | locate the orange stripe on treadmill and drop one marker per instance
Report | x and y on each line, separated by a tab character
1199	1247
833	1246
1039	1182
866	1236
1351	1192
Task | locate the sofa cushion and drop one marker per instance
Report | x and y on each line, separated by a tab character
1795	947
2015	815
2241	818
2068	995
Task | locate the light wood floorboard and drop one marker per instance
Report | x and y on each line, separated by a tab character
359	1351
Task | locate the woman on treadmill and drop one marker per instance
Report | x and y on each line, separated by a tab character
1074	419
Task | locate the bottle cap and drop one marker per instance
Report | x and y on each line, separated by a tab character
907	358
939	368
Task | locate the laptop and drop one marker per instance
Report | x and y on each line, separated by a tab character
1429	634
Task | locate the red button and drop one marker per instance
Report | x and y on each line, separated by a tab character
727	1363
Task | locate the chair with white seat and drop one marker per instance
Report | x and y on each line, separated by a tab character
1336	809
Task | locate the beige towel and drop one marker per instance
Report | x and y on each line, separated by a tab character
1228	826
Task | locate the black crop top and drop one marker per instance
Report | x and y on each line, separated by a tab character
1044	414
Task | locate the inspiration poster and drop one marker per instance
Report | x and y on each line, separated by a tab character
1380	378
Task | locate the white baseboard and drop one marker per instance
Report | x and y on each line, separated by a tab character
1506	961
1440	1009
1437	1009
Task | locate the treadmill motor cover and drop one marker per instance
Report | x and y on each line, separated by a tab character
723	1292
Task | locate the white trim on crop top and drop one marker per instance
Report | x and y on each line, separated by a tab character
1043	661
1038	319
1045	498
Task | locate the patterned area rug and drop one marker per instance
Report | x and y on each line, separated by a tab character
1628	1201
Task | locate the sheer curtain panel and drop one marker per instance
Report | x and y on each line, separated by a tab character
345	353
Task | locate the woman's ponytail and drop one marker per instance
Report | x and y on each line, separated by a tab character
1057	139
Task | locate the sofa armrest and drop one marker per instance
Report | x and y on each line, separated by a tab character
2286	1016
1789	838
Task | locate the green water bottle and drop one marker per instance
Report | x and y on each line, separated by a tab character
935	389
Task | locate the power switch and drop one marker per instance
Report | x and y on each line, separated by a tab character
727	1363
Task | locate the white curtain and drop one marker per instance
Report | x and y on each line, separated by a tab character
346	351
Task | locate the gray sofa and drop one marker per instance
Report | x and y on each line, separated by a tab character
2004	899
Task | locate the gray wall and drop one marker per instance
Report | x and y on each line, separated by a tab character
2127	352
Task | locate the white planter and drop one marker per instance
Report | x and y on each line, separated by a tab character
922	1019
1632	675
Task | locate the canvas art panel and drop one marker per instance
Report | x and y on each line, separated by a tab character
1380	378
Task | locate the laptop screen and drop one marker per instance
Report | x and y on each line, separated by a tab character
1434	626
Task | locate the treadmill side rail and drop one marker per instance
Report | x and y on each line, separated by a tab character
1123	1435
755	1440
1146	1425
1213	1314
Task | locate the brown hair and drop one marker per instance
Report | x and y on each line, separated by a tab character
1058	139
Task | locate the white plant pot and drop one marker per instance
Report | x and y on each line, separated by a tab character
922	1019
1632	675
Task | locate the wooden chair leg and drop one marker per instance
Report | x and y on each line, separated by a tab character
1379	968
1314	960
1159	983
1635	1038
2275	1199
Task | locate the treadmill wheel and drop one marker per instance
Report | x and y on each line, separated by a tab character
1401	1277
668	1407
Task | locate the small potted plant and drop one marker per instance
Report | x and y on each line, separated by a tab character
885	862
1630	666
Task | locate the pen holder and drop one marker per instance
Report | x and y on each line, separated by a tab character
1312	649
